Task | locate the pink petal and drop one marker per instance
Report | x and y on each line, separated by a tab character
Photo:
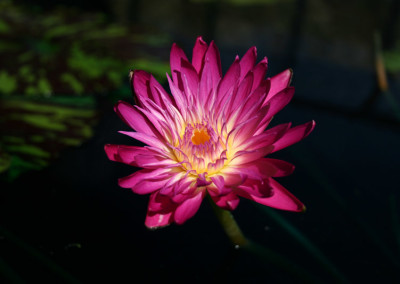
181	197
263	168
163	121
161	97
144	181
176	56
212	58
134	119
247	62
112	152
220	186
280	167
199	50
279	82
278	130
141	85
252	103
233	179
294	135
147	139
263	141
156	121
158	220
244	131
281	198
188	208
152	161
190	80
230	79
147	87
257	170
201	180
228	83
183	189
242	93
147	186
279	101
255	189
211	73
260	92
228	202
160	203
174	183
259	72
259	141
276	104
180	99
160	211
124	154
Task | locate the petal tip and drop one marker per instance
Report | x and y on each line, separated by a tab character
111	151
254	50
116	105
200	39
311	126
264	60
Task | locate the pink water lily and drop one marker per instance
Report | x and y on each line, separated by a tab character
209	137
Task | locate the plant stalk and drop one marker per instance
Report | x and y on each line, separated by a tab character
229	225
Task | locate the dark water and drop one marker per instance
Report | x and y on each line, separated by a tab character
71	221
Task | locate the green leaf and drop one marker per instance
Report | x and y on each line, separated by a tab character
8	83
5	162
74	83
29	150
44	86
26	73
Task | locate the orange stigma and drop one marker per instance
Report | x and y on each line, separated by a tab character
200	137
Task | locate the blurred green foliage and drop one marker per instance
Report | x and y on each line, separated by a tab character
53	66
392	60
35	131
8	83
65	51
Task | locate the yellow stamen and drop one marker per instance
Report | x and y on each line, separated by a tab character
200	137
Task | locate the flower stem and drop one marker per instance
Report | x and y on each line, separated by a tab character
229	225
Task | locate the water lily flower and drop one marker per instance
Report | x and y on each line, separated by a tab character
210	137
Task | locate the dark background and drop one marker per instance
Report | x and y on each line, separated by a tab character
69	221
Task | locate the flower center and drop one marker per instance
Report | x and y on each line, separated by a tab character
200	137
200	149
